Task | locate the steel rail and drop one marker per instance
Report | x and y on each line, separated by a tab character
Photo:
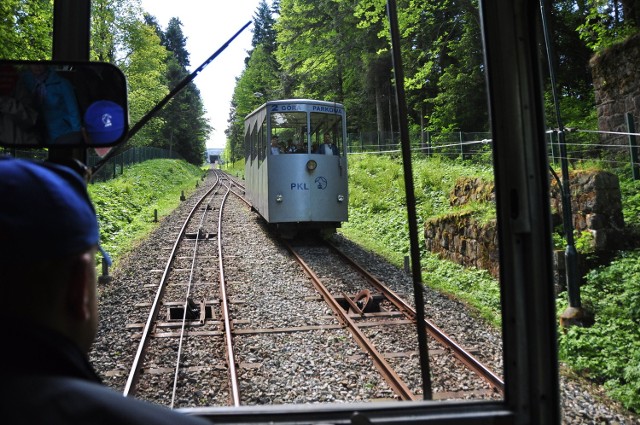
233	374
134	374
464	356
186	300
240	186
388	373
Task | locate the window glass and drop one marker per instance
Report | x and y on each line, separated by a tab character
326	128
291	129
263	145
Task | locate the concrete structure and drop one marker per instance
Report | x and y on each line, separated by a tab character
214	155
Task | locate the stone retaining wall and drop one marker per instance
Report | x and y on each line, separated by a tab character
459	237
616	74
596	206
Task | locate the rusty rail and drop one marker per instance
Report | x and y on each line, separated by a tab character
388	373
464	356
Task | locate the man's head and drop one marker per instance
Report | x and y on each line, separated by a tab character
274	141
48	239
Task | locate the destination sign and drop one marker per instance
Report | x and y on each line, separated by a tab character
299	107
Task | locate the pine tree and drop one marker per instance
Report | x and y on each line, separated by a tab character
186	129
263	31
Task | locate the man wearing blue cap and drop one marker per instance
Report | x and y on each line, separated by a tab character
48	242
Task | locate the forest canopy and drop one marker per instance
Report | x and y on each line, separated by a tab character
335	50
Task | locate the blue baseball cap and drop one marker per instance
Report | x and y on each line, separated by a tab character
45	212
104	122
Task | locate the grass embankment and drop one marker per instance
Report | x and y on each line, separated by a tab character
378	221
126	204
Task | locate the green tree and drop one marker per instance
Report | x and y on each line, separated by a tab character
120	36
325	53
260	81
104	27
376	86
257	84
185	128
175	41
25	29
573	76
608	22
144	64
263	28
460	100
308	43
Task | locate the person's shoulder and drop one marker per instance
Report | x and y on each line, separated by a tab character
134	411
55	79
56	400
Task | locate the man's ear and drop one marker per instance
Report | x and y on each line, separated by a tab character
79	290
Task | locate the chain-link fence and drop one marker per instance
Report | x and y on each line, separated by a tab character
111	168
618	150
116	165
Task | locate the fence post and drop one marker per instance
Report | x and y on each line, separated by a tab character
461	145
633	148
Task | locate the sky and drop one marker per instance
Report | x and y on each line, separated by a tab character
207	25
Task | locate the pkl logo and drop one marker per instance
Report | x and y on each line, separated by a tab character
299	186
321	182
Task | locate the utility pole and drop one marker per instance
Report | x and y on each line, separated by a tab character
574	313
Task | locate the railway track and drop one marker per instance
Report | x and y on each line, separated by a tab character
183	320
369	309
230	329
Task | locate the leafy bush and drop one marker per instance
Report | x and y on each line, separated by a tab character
630	190
609	351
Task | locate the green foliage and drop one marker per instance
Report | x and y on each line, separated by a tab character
575	113
585	243
476	287
325	53
125	205
609	351
144	64
105	29
339	50
153	61
630	190
185	129
175	42
235	168
25	29
263	32
602	28
460	102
